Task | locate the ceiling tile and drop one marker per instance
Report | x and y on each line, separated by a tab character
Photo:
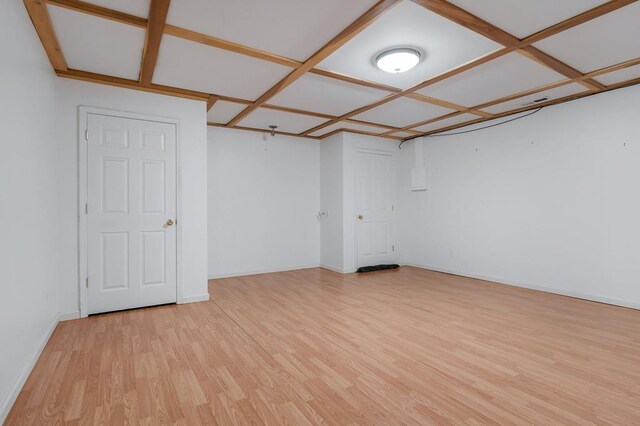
558	92
133	7
291	28
195	66
504	76
326	95
347	125
402	112
222	112
445	45
441	124
114	49
620	76
262	118
607	40
522	18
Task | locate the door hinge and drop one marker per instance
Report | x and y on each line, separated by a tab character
86	208
393	248
86	135
393	208
86	282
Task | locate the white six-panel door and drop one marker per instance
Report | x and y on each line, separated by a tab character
374	209
131	213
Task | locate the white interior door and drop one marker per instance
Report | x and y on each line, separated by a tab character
374	209
131	229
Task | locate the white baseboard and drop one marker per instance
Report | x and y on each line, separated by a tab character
194	299
261	271
69	316
332	268
6	405
530	286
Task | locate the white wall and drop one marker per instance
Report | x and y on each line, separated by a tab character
331	201
338	229
29	207
550	202
193	157
263	201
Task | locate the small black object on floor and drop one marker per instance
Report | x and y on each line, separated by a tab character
377	268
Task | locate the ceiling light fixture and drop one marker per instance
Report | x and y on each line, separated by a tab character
398	60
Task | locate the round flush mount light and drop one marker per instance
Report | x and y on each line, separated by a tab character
398	60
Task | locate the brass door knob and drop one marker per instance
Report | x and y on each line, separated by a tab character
169	223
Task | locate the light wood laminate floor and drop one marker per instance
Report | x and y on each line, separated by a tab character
313	346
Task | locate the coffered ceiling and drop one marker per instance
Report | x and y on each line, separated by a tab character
308	66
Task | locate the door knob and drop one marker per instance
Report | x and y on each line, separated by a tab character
169	223
360	217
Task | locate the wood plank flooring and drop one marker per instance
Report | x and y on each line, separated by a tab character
309	347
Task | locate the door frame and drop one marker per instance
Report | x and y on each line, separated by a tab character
83	187
356	229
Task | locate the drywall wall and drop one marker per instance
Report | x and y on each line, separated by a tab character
331	202
193	177
29	212
263	202
337	195
549	202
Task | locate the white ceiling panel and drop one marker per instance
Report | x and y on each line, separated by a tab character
291	28
98	45
522	18
607	40
346	125
262	118
195	66
620	76
444	44
559	92
402	112
222	112
462	118
132	7
326	95
504	76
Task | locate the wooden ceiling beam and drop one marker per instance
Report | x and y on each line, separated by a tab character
424	123
550	86
39	15
557	101
462	17
359	132
613	68
253	129
338	41
132	84
229	46
441	7
443	76
559	66
80	6
158	11
212	101
574	21
592	74
101	12
486	29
